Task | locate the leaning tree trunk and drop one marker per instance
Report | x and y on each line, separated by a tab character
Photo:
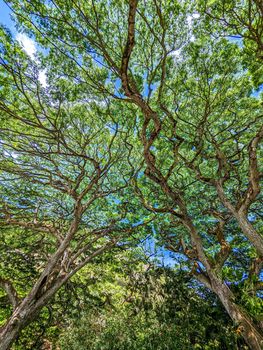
247	328
10	331
26	312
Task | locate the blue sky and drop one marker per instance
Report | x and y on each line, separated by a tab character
28	44
5	16
31	48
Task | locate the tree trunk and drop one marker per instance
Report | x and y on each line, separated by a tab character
38	297
250	232
25	313
241	216
8	334
11	330
247	328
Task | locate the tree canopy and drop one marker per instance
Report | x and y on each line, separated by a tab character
149	129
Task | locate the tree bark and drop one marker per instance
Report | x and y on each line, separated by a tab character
246	326
11	330
25	313
250	232
249	331
37	298
252	235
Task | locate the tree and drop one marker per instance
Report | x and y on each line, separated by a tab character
63	184
147	312
191	97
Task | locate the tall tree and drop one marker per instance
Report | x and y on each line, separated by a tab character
191	96
64	176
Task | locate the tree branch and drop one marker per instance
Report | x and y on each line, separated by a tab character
10	291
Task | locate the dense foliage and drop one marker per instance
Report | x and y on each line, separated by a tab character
149	129
155	315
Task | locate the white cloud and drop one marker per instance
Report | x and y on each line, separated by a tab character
27	43
43	78
196	15
176	53
189	19
30	48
